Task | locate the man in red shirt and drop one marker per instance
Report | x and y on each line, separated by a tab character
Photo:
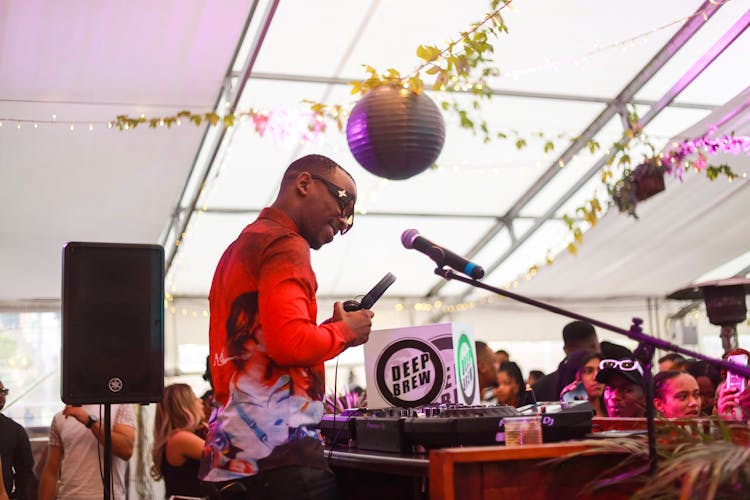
267	351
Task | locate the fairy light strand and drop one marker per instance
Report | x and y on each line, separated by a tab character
548	64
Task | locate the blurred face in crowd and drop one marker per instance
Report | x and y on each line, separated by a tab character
680	398
624	398
507	389
708	394
3	392
588	376
667	365
487	367
501	358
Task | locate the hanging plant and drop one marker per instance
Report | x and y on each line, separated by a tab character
633	186
641	183
647	179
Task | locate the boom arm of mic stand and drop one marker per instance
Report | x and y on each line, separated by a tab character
638	336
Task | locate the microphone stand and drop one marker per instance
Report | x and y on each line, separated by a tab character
107	452
644	352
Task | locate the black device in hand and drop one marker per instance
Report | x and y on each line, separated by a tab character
372	296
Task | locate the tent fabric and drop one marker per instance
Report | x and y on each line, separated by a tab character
71	68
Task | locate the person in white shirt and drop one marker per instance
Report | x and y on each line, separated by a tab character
75	454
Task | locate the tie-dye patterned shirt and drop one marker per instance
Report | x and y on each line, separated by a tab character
267	353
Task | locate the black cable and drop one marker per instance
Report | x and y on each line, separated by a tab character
98	448
335	400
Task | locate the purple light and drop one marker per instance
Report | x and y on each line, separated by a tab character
674	159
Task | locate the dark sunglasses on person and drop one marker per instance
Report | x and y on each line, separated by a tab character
4	391
344	198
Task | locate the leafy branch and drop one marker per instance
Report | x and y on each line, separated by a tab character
463	64
304	126
622	181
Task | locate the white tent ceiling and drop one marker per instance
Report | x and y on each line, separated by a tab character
87	61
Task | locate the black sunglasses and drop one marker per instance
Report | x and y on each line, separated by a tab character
4	391
344	198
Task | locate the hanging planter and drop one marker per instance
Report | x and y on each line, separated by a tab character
643	182
648	179
395	133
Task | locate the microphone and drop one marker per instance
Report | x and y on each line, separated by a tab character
442	256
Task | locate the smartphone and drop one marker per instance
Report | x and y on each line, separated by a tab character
733	380
577	394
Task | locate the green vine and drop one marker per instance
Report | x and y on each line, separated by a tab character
465	64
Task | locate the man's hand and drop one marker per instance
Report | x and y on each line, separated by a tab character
77	412
359	321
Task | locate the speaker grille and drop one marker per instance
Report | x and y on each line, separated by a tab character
112	323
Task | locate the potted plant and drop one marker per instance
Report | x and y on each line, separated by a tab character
641	183
707	459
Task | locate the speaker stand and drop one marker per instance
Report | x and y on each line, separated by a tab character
107	451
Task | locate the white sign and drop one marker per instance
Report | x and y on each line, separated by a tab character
416	366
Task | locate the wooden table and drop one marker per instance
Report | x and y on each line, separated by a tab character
476	473
523	472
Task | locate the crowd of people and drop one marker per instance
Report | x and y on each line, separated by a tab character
611	378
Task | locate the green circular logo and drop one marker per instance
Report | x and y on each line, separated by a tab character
466	368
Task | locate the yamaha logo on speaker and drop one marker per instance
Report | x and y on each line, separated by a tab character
410	373
115	384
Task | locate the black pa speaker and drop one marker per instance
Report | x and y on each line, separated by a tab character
112	323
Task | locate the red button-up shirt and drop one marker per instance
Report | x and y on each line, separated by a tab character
266	350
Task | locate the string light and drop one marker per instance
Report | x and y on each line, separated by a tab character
629	42
316	126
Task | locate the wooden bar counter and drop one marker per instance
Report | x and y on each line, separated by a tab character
475	473
523	472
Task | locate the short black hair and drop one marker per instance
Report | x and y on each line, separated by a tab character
514	372
660	380
672	356
207	373
577	332
315	164
502	351
482	349
536	374
705	369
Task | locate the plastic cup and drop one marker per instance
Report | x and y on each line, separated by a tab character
523	430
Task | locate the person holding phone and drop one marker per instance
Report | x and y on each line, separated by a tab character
266	348
732	402
585	366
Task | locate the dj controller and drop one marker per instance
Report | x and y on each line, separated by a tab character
403	430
